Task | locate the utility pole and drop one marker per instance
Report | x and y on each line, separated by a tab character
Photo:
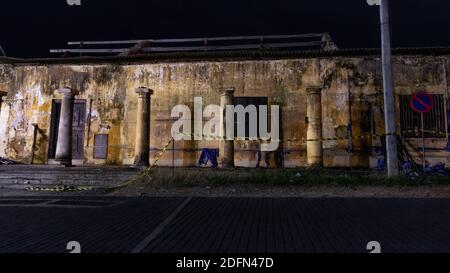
388	87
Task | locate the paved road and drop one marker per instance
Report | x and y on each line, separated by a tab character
222	225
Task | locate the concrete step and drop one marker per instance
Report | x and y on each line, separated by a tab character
26	175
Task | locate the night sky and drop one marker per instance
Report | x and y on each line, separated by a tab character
31	28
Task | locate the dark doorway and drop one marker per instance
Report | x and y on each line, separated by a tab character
2	94
246	101
79	118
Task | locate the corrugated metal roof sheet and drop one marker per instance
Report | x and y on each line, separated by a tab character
262	54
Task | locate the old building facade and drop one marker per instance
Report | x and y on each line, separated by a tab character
336	95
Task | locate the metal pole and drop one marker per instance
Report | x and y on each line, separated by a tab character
388	86
423	144
446	103
350	120
173	160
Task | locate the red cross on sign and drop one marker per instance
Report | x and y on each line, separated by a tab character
421	102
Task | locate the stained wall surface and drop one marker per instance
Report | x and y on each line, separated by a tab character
352	92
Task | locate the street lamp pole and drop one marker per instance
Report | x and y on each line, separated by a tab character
388	87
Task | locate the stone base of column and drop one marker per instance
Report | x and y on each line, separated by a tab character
64	162
142	161
226	164
315	161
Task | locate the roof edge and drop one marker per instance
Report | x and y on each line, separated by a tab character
263	54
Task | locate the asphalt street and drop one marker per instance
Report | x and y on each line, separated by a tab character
222	225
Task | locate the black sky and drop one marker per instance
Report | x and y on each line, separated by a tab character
29	28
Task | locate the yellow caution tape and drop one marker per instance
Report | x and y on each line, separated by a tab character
303	140
145	172
59	189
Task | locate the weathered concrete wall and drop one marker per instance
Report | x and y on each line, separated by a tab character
6	77
352	86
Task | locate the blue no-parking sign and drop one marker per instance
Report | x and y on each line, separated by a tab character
421	102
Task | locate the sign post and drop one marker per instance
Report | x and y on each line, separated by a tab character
422	103
388	87
423	144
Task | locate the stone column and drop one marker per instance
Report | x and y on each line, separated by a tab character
64	142
4	130
314	114
226	147
142	145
